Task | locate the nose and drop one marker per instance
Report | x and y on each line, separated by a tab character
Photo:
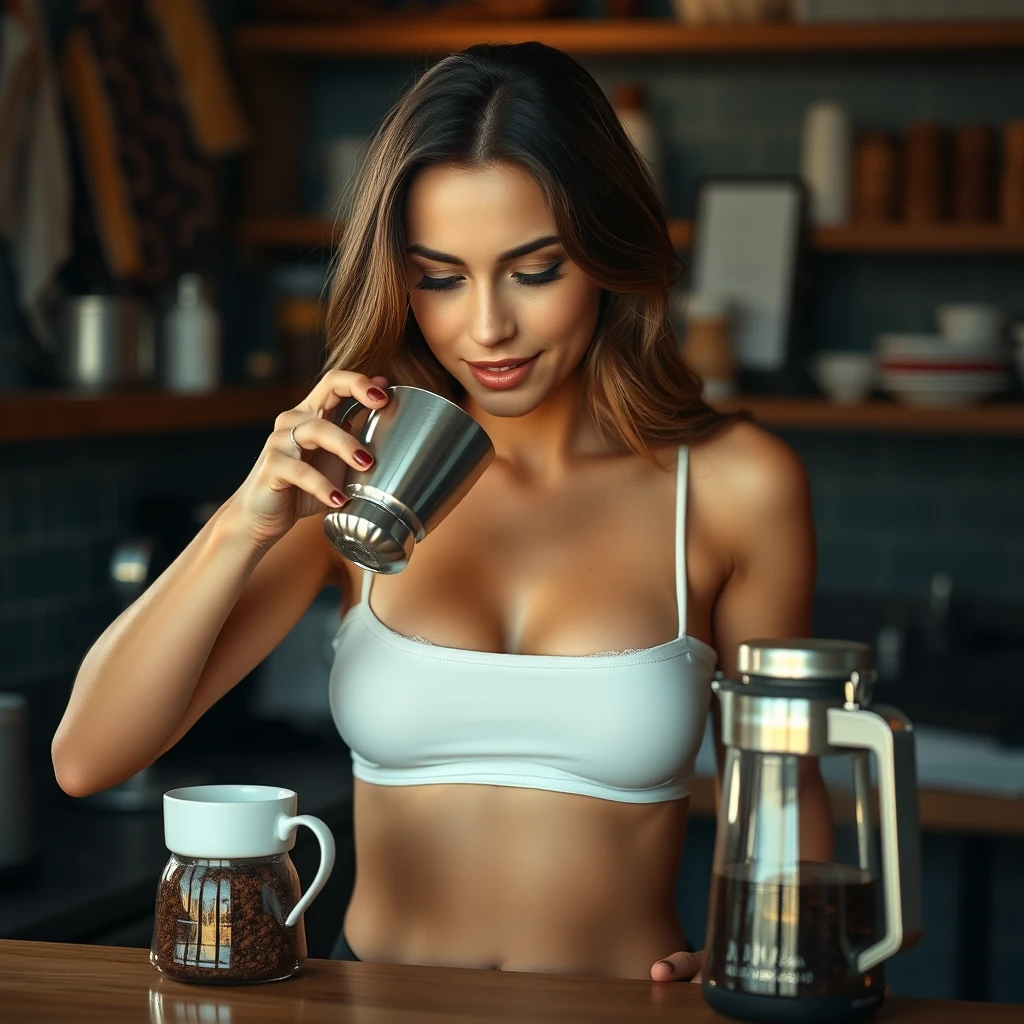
491	321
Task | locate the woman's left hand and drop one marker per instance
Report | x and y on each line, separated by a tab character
680	967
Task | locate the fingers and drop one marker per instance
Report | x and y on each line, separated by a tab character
338	385
311	434
286	471
680	966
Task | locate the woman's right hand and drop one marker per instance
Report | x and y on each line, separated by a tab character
286	484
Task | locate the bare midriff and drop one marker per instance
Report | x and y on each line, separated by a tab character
517	879
514	879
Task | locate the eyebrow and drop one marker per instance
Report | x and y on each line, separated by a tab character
512	254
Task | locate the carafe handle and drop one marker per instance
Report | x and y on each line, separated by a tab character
285	827
889	734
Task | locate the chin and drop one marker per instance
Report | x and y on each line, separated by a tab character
515	402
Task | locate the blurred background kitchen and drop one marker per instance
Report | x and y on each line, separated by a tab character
845	180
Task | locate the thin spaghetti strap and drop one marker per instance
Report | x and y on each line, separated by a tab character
681	481
364	595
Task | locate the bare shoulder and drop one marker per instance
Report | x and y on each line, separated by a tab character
752	477
751	463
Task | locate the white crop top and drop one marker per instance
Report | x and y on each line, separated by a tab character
621	726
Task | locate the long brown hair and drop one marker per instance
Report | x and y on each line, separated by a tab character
532	105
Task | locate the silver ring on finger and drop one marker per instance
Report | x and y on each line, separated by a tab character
291	434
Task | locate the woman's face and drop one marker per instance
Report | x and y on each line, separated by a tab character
489	282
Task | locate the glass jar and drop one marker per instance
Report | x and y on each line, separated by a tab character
229	903
224	921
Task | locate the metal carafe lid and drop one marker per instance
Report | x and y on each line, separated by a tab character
805	659
804	666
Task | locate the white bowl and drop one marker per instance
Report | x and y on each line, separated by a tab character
934	352
971	323
942	387
846	377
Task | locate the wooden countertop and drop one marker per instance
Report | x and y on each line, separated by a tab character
939	810
58	983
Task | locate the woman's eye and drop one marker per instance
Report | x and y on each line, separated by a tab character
437	284
551	274
443	284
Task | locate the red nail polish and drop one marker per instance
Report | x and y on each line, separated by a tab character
362	458
376	394
337	498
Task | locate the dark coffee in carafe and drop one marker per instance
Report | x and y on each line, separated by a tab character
795	936
791	938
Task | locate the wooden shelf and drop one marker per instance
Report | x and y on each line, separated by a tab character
311	232
877	416
919	238
940	810
41	415
410	37
32	416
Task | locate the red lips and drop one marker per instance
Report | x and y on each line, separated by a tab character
493	364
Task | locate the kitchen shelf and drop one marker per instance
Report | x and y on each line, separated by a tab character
919	238
34	416
59	414
876	416
939	810
312	232
407	37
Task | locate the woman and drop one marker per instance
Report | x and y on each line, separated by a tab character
525	700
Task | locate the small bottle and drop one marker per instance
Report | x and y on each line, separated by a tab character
825	162
708	345
192	340
630	104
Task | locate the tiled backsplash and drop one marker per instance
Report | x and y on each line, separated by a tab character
890	512
63	508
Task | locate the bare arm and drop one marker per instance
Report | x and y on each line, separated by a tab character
221	606
769	593
200	628
765	526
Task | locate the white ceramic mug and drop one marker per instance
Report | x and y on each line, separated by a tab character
971	323
229	822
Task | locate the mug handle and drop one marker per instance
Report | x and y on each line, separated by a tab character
285	827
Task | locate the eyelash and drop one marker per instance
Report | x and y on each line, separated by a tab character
444	284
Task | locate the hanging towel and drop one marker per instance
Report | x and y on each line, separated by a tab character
35	179
153	109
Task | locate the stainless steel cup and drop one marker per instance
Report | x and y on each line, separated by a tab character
427	454
105	341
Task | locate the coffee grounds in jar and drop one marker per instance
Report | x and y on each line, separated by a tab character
223	921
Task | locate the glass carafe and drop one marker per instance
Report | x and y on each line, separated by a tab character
791	937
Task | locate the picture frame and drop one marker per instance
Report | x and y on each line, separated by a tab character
747	248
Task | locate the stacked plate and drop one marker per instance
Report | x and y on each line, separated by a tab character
926	369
